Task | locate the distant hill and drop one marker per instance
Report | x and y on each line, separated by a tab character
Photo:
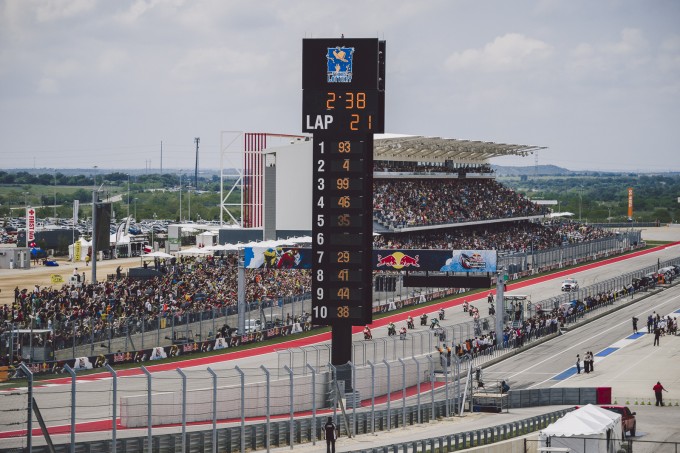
540	170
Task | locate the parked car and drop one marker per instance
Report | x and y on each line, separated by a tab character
570	284
628	421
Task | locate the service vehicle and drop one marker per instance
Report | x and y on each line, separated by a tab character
569	285
628	421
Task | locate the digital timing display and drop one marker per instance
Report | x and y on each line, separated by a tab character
343	106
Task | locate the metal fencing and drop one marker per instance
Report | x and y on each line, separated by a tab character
523	264
93	336
204	396
579	444
576	306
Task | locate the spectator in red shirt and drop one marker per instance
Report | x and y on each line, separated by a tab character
658	388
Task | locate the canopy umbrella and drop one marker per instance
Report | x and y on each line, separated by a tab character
195	251
158	254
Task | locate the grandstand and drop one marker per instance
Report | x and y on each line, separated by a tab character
429	192
283	178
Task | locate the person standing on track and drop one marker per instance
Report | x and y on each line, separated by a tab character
635	321
657	335
331	434
658	388
578	364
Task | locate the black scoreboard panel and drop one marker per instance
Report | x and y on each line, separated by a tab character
342	231
343	105
342	109
359	60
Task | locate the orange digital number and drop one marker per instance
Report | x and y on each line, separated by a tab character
344	147
342	183
355	101
330	101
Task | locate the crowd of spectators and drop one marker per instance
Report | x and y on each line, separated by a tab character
428	167
538	322
401	203
510	237
187	288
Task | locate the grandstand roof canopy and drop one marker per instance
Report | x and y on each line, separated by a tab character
418	148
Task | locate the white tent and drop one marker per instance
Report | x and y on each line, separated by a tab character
589	429
224	247
194	251
205	238
81	247
156	255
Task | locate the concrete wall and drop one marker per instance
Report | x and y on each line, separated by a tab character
15	257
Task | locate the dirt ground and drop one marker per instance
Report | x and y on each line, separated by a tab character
41	275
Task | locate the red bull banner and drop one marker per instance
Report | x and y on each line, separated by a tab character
458	261
435	260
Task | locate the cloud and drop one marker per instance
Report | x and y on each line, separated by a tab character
52	10
47	85
510	52
632	42
607	59
112	60
199	63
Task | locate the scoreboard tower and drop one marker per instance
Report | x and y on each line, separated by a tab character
343	105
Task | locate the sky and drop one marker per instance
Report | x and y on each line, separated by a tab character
87	83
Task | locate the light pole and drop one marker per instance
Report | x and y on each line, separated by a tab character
180	196
135	210
153	227
55	193
95	236
128	202
189	196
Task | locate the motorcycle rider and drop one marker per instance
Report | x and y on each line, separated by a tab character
409	322
465	306
434	323
441	314
402	333
423	319
391	330
367	333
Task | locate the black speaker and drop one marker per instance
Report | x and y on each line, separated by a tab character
103	236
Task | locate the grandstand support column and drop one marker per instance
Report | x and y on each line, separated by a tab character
500	305
341	352
94	235
241	303
341	348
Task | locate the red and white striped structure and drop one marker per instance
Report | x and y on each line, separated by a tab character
249	160
253	183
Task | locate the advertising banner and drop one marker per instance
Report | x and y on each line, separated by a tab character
30	226
158	352
277	258
435	260
76	207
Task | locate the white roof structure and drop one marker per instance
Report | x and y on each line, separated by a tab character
418	148
589	429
